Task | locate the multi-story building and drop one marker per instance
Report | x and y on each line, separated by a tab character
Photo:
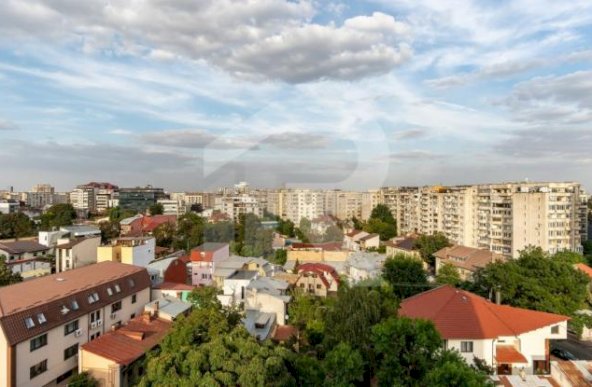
172	207
83	198
139	251
76	253
43	322
139	199
48	188
348	205
503	218
302	203
203	262
234	206
8	206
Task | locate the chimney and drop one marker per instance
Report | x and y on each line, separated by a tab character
498	297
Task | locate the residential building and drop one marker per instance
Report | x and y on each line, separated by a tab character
168	308
43	322
26	256
317	278
83	198
365	266
403	245
508	339
8	206
139	225
139	199
317	252
237	205
172	207
139	251
234	288
268	295
204	259
160	269
259	324
302	203
76	253
116	358
357	240
47	188
465	259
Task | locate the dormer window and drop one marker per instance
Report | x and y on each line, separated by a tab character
92	298
131	282
74	305
117	288
109	291
41	318
29	323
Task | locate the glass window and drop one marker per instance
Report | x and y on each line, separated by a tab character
29	323
555	329
109	291
131	282
41	318
38	342
70	351
74	305
115	307
134	299
466	346
117	288
38	368
70	327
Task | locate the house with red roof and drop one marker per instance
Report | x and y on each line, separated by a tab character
507	338
317	278
203	261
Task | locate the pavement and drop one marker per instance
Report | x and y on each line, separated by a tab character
582	350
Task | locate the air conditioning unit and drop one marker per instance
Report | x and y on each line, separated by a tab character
99	323
113	316
93	325
77	333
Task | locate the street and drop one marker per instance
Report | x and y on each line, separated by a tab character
582	350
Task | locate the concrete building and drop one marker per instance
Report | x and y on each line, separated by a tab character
365	266
302	203
139	251
234	206
508	339
318	279
172	207
76	253
269	295
43	322
78	231
139	199
204	259
8	206
466	260
26	257
83	198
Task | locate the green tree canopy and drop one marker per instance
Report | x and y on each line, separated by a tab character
344	366
448	275
7	277
156	209
57	216
190	229
381	222
406	275
429	244
15	225
165	234
116	214
383	213
536	281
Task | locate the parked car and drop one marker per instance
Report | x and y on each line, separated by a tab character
562	354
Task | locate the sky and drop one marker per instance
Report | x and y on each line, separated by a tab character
355	95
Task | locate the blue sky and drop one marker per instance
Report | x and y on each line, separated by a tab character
355	95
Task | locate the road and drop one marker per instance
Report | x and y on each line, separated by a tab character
582	350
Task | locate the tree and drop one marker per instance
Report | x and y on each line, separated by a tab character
452	370
280	257
116	214
204	297
57	216
252	239
83	379
429	244
381	222
405	274
448	275
222	232
285	227
16	225
343	366
7	277
333	234
536	281
156	209
164	234
109	230
189	232
406	350
383	213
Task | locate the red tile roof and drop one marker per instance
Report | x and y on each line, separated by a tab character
507	354
173	286
131	341
149	223
459	314
284	332
585	268
320	269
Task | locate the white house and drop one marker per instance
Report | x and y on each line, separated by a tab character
76	253
269	295
235	287
357	240
506	338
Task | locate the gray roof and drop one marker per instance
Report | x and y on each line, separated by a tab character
243	275
22	246
170	306
252	317
269	285
129	220
233	262
224	273
366	261
161	264
81	229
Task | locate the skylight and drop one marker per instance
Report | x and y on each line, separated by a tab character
41	318
29	323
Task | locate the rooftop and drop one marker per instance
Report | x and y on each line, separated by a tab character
459	314
131	341
81	229
75	241
169	306
22	246
243	275
468	258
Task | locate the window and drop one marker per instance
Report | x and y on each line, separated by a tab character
555	329
95	336
74	305
38	368
70	351
134	299
115	307
466	346
94	316
132	316
41	318
38	342
70	327
109	291
131	282
29	323
117	288
92	298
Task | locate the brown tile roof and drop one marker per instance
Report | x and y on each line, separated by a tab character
320	269
131	341
353	233
173	286
49	295
509	355
369	236
407	243
459	314
22	246
468	258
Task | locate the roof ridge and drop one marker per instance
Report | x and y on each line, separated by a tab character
492	308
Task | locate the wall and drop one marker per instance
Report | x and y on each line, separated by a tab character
98	368
140	255
483	349
4	363
267	303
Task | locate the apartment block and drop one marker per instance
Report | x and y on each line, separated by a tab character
237	205
302	203
139	251
44	322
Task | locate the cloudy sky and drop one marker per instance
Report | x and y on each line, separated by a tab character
197	94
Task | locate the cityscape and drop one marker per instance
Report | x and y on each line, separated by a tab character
295	193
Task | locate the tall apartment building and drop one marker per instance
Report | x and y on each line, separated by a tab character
504	218
235	205
83	198
302	203
348	205
44	321
47	188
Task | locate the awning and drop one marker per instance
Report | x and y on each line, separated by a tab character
507	354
